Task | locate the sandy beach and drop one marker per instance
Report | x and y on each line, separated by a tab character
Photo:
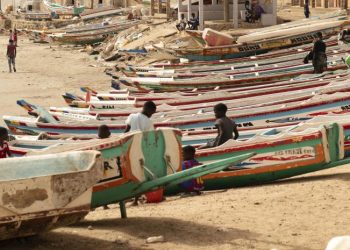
304	212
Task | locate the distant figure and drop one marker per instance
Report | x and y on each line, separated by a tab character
4	146
248	11
318	55
11	35
306	9
193	186
182	23
103	132
257	11
141	121
193	23
11	55
226	127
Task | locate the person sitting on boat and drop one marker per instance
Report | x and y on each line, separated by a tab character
194	186
182	23
226	127
318	55
257	11
141	121
193	23
4	146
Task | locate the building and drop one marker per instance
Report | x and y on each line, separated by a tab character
332	4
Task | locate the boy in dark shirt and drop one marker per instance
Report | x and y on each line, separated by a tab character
11	55
226	127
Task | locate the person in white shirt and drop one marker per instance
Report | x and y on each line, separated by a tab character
141	121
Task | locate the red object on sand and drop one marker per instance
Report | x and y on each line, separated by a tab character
155	196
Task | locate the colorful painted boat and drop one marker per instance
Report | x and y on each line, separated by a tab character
249	118
247	79
277	157
137	162
296	55
40	193
204	103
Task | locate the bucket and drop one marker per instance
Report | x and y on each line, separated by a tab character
154	196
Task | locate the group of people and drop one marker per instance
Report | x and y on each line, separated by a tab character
226	130
192	24
253	11
12	51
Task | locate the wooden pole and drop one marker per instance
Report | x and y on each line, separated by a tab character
235	13
226	10
201	15
122	210
159	6
168	9
152	8
189	9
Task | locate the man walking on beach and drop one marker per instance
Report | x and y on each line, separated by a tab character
11	55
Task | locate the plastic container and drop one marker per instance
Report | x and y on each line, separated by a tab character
154	196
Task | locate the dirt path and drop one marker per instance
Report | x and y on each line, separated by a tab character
300	213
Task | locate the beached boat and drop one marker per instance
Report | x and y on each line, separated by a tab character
245	79
277	157
262	42
270	58
40	193
95	35
246	118
137	162
204	103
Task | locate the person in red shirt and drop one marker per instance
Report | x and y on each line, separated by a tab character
4	146
11	55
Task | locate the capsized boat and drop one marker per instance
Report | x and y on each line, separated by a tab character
40	193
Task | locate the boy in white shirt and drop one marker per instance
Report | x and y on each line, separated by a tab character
141	121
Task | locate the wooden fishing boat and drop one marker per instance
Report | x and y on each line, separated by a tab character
269	58
237	80
90	36
292	37
297	50
233	72
249	118
204	103
277	157
137	162
40	193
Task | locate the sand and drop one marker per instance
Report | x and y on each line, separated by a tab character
299	213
